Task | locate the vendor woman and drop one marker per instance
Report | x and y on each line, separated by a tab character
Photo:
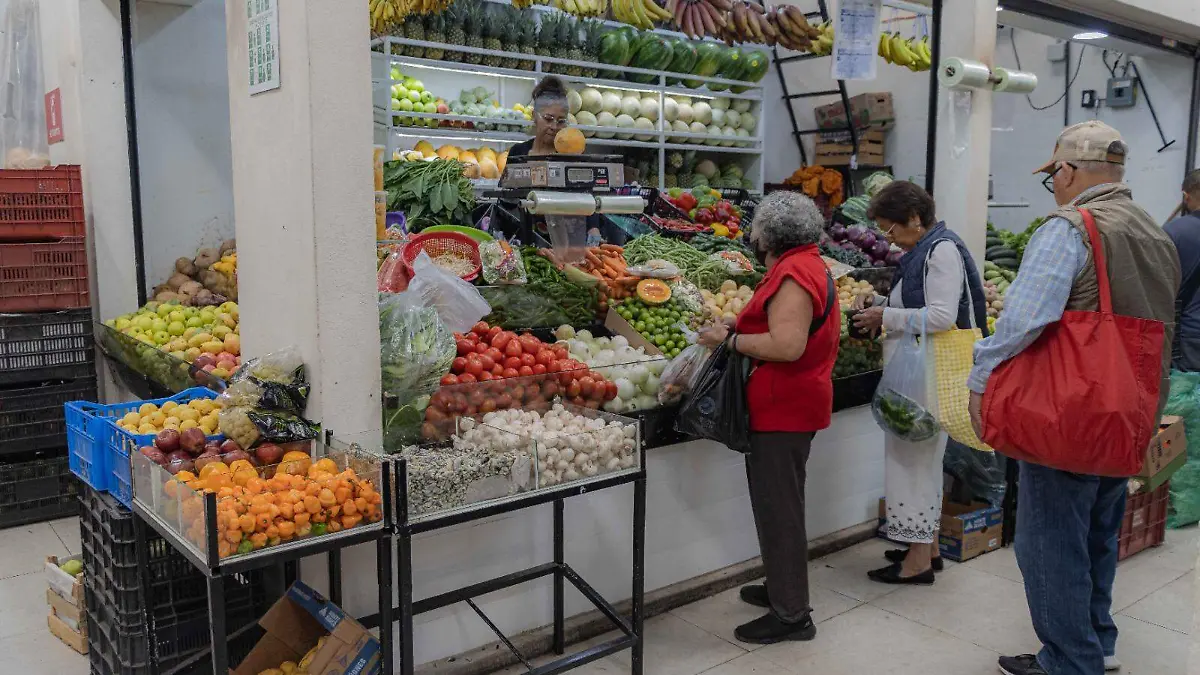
549	117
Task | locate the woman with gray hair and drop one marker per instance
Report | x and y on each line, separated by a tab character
790	330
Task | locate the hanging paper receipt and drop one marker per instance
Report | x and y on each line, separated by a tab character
262	38
856	39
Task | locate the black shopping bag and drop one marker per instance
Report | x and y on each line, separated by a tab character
716	408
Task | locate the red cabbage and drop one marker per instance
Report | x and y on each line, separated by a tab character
837	231
855	233
894	256
867	242
880	250
878	263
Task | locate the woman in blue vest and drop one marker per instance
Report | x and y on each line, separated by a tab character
936	288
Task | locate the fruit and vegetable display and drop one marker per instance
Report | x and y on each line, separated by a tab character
548	298
867	241
705	271
73	567
850	289
607	264
663	323
706	207
728	302
624	114
429	193
856	355
634	372
177	345
208	279
914	54
480	162
1005	249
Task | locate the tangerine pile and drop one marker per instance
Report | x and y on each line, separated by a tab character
303	498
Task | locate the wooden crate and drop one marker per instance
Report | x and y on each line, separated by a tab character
838	153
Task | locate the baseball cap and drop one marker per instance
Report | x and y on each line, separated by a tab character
1090	141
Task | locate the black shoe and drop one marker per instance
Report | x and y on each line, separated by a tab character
768	629
891	575
1025	664
897	555
756	594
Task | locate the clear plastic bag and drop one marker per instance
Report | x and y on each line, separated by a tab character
416	348
457	302
681	374
981	473
275	381
904	403
501	263
23	143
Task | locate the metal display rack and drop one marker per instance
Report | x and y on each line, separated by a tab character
216	569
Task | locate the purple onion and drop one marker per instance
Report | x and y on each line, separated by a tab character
880	250
838	232
868	241
855	233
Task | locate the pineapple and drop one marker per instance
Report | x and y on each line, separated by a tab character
592	32
414	29
546	41
474	26
509	23
435	31
455	16
493	28
568	47
528	38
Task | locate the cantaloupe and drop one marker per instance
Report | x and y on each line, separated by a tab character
425	148
631	105
624	122
569	141
670	110
485	153
488	168
591	100
448	152
653	291
684	113
643	124
702	113
605	119
502	161
574	101
468	157
649	108
697	128
610	102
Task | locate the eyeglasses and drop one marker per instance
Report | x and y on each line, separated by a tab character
554	121
1048	181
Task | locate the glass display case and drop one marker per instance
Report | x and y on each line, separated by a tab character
147	360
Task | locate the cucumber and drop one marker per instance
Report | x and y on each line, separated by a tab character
994	252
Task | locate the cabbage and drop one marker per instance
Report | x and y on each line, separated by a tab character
880	250
894	256
837	232
867	241
855	233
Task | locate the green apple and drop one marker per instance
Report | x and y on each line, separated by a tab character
144	323
405	104
161	337
165	309
429	107
176	328
414	95
158	324
396	74
177	315
410	82
396	103
431	123
194	322
122	324
427	97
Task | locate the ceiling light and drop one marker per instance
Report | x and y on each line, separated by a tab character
999	8
1089	35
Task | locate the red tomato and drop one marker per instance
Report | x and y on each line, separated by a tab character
495	354
497	370
481	328
504	401
525	371
530	344
502	339
493	332
488	405
578	401
486	375
560	352
565	378
486	361
509	372
513	348
474	367
539	369
458	365
518	394
550	389
528	359
592	403
434	414
610	391
464	347
587	385
545	356
467	378
449	379
481	347
574	389
513	362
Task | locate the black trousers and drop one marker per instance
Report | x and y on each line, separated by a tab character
776	470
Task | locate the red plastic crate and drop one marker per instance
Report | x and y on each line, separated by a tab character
41	204
1145	523
36	277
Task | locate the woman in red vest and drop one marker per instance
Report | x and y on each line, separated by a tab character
790	329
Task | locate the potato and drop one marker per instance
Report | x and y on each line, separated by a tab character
185	266
228	245
167	296
178	280
206	257
190	288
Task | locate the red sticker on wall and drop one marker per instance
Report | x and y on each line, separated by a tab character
54	128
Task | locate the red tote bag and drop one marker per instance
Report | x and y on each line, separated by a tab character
1084	396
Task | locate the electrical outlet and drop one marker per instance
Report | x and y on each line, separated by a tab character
1088	98
1121	92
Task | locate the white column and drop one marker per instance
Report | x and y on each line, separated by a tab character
964	143
303	206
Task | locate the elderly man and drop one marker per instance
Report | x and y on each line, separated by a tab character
1067	524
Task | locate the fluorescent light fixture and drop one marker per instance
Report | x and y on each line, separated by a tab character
999	8
1089	35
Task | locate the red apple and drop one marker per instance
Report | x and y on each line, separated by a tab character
204	360
154	455
206	459
231	457
176	465
167	440
212	448
192	440
268	453
229	445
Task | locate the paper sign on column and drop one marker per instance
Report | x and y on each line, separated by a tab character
54	123
856	39
262	37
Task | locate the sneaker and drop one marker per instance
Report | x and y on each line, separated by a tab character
1111	663
755	594
768	629
1025	664
897	555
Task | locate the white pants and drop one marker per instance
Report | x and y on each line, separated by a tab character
913	487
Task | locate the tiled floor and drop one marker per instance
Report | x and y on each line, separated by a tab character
959	626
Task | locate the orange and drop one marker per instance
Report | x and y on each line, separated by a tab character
312	504
243	475
246	523
327	498
287	530
349	508
240	464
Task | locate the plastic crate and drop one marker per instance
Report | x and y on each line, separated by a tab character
100	449
31	418
41	204
46	346
36	490
38	277
1145	523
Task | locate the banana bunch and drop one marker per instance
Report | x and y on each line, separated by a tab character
582	7
747	21
823	44
639	13
793	29
386	13
916	56
697	18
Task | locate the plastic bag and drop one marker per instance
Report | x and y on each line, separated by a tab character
392	276
717	409
680	376
275	381
1185	496
252	426
904	402
23	143
1184	401
981	473
415	346
457	302
501	263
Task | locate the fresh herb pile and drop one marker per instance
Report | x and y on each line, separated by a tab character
429	193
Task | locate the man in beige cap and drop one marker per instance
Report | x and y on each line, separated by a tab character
1067	524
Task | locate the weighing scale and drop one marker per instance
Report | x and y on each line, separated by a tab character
592	173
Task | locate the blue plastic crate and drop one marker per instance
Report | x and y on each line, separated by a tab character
100	449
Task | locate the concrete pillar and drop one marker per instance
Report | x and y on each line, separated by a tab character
964	143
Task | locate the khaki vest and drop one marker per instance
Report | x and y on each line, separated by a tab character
1143	266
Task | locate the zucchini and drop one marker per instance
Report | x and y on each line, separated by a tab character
994	252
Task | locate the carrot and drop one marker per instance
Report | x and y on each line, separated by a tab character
613	248
612	268
592	258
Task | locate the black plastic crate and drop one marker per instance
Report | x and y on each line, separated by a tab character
46	346
36	488
32	418
855	390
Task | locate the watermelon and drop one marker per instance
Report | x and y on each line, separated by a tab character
754	67
655	53
614	50
709	57
731	68
683	59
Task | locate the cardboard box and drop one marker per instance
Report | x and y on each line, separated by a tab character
76	640
867	111
1165	455
838	152
967	531
67	586
617	325
296	623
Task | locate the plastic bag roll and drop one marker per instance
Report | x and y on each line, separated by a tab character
620	204
561	203
1014	81
961	74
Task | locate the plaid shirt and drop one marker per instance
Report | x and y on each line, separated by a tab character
1053	258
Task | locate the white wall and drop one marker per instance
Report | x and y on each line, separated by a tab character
182	88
